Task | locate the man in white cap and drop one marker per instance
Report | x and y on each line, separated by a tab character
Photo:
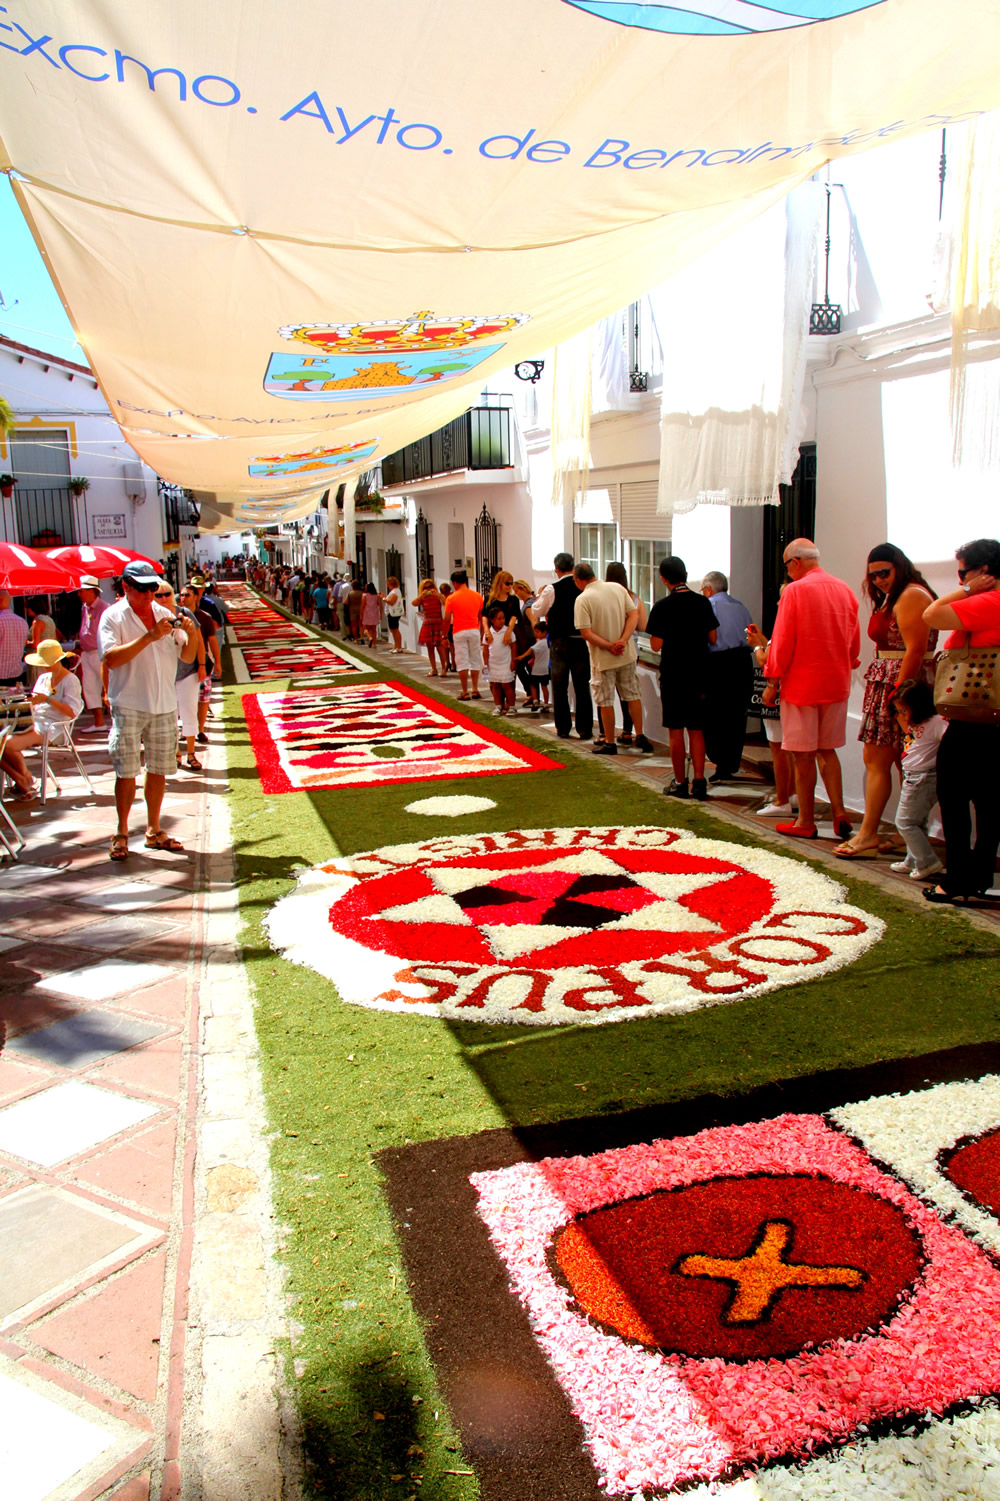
90	658
140	645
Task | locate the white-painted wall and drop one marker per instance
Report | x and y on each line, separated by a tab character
456	500
885	470
52	394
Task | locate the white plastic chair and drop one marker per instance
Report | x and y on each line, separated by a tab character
59	737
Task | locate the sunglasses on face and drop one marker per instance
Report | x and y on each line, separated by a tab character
962	572
879	573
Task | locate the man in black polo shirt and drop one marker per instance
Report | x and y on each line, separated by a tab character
570	656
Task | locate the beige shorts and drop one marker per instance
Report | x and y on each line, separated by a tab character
604	685
468	651
812	727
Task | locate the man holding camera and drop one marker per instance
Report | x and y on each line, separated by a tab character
141	642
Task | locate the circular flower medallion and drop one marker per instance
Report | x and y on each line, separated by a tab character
566	925
741	1268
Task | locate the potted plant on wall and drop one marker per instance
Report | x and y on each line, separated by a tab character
7	483
78	484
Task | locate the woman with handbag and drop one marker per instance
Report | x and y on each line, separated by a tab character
967	694
898	595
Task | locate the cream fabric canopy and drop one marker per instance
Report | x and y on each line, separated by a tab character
292	239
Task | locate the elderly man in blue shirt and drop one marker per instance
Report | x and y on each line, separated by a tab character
730	680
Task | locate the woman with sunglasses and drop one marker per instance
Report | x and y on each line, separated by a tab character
904	646
968	764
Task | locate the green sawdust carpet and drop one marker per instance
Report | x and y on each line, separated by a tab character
344	1083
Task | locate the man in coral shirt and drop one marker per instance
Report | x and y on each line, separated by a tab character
464	610
814	649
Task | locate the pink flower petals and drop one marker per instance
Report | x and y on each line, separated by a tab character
658	1421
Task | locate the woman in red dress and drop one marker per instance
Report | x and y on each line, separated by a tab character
433	630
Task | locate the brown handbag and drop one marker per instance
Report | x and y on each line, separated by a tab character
967	684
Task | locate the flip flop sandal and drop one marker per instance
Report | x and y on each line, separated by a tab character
162	841
844	852
193	764
463	698
475	695
119	847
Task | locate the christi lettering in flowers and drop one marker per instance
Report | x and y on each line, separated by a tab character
345	361
566	925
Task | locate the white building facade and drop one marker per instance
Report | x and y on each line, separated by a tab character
63	435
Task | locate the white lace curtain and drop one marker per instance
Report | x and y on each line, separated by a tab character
571	407
734	328
975	301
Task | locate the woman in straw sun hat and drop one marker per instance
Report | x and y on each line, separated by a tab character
56	701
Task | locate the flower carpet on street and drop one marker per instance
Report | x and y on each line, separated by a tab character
734	1300
253	631
370	735
565	925
259	663
743	1244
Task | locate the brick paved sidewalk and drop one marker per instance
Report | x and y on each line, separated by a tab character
134	1207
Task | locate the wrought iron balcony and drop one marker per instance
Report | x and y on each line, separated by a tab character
479	439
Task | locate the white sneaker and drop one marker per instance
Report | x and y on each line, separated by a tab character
921	873
775	810
905	867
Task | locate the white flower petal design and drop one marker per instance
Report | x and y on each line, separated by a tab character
599	925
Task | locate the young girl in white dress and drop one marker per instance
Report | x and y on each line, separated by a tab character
499	651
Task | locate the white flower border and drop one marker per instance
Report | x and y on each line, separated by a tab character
298	925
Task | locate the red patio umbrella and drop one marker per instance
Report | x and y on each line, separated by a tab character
24	570
100	562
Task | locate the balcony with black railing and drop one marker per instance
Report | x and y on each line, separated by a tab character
179	509
479	439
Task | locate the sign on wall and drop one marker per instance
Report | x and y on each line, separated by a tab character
333	222
105	528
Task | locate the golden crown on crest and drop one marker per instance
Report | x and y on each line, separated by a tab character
413	335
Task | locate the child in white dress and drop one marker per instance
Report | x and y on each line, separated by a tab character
499	653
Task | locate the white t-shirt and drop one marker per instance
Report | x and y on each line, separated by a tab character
394	602
540	659
68	691
921	744
147	682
